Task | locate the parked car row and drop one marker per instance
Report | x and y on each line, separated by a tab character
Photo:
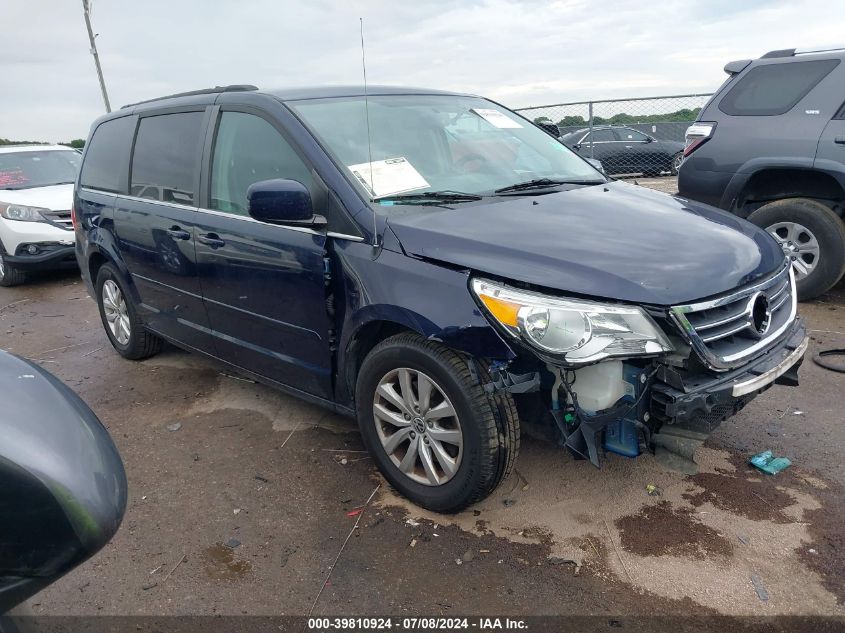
431	264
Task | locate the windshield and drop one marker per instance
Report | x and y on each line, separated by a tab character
25	170
429	143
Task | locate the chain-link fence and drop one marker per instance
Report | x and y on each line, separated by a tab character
629	136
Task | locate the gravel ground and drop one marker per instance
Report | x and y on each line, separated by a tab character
286	481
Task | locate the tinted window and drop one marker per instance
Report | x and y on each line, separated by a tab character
166	157
107	155
248	149
774	88
601	136
632	135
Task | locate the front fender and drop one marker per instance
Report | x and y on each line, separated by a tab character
432	300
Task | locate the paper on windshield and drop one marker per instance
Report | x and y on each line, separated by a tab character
496	118
389	177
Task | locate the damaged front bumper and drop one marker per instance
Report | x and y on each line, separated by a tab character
669	409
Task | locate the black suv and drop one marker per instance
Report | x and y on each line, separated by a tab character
770	147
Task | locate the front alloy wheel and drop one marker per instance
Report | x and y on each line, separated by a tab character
418	426
432	429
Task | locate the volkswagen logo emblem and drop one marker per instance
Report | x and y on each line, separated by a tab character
761	314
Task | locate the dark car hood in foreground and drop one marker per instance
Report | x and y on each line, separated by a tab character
615	241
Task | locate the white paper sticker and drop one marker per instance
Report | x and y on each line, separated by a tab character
391	176
496	118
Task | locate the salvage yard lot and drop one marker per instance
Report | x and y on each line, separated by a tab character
214	459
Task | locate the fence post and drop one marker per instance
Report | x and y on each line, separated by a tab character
590	115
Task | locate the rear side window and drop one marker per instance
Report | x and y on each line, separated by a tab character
107	155
601	136
165	162
774	89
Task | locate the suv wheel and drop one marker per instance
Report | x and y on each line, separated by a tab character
120	318
812	236
9	275
432	430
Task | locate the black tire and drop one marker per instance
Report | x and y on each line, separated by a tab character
9	275
675	164
827	228
489	422
141	344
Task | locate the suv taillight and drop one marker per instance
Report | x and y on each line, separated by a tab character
73	217
697	135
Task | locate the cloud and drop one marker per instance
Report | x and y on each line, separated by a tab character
518	52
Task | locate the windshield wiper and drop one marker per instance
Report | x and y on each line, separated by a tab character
544	183
430	197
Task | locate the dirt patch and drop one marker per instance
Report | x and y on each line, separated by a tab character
662	530
825	554
755	500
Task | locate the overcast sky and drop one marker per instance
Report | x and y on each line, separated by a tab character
520	53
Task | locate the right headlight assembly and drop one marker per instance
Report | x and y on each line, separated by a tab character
577	331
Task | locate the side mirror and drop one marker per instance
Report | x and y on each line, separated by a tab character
595	162
62	482
282	201
577	147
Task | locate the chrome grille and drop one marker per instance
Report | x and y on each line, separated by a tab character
59	218
726	330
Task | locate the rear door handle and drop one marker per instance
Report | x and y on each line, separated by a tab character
212	240
178	233
839	140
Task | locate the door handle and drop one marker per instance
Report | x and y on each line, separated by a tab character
178	233
212	240
628	147
839	140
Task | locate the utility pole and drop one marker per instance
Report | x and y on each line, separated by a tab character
87	10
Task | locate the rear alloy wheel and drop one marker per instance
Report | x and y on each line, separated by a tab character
435	434
677	159
812	236
120	318
9	275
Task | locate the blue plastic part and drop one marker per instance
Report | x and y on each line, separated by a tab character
768	463
621	437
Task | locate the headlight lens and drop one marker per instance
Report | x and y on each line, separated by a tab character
21	213
579	331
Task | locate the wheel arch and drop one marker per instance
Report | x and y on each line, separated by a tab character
374	324
767	184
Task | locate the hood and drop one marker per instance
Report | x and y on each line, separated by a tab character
614	241
54	197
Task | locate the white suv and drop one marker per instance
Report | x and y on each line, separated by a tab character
36	192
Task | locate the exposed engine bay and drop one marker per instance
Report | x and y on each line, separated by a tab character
667	406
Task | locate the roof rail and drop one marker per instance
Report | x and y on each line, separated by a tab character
191	93
791	52
819	49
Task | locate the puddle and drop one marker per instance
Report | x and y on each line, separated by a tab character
220	563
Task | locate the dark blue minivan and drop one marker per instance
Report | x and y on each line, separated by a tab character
438	267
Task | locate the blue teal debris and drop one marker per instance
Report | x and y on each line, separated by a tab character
768	463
